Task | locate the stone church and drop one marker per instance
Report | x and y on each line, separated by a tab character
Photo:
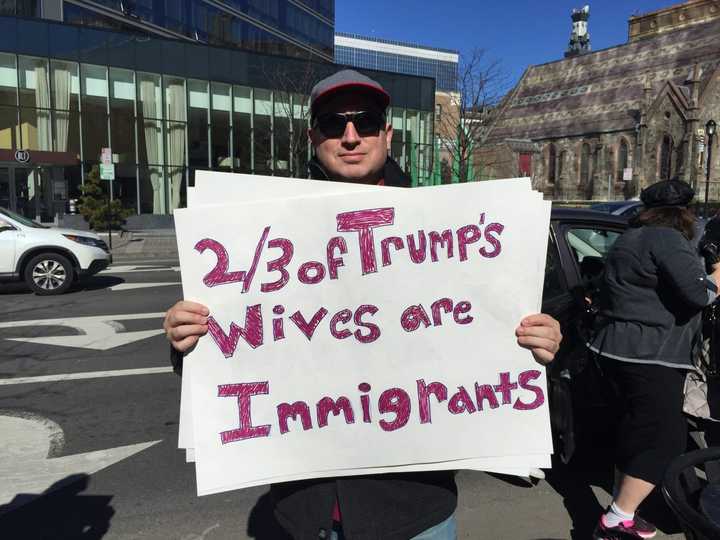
605	124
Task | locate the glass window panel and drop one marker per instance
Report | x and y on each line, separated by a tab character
412	127
149	95
175	108
150	144
263	132
175	154
177	188
283	112
122	89
122	115
397	149
298	138
94	83
9	132
65	85
66	132
242	110
220	126
33	80
125	185
35	129
122	131
94	134
199	100
8	79
152	190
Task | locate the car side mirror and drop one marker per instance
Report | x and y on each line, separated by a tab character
4	228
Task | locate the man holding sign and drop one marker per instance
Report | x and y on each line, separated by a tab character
351	138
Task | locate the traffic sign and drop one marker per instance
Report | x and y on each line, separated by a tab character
106	156
107	172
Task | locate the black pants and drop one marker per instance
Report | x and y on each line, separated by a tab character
652	430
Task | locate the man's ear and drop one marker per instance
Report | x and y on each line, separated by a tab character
314	136
388	136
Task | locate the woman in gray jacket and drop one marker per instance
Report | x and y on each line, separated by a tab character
651	301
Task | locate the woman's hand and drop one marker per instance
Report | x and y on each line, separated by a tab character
541	334
184	323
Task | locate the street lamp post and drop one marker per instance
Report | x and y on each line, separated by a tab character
710	130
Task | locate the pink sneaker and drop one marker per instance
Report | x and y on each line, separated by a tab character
625	530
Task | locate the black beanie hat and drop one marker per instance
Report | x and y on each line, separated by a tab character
666	193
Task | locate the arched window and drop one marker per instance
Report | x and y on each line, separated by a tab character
622	158
551	164
585	164
561	164
666	149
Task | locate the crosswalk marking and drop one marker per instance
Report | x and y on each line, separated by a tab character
99	332
133	286
85	375
131	269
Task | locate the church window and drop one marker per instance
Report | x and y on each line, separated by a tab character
585	164
622	158
551	163
666	149
561	164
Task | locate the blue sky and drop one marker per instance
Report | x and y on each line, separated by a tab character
518	33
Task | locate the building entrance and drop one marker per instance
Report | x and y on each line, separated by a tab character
27	191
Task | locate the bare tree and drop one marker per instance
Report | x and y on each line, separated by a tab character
292	85
463	117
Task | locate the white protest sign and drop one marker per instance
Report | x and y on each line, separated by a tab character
214	186
423	378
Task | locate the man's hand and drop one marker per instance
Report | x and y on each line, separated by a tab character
541	334
184	323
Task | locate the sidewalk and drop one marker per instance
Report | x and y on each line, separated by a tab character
143	245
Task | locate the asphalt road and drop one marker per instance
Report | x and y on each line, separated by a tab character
89	419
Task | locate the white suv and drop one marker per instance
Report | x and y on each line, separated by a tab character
49	260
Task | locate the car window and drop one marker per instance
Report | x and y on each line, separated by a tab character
553	285
20	219
590	242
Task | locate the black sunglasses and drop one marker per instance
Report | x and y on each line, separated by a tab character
366	123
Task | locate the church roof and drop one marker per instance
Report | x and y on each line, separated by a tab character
602	91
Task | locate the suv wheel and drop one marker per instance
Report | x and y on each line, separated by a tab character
49	273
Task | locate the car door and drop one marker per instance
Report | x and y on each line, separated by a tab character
583	247
8	241
558	302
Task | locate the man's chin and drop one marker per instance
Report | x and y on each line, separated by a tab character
356	175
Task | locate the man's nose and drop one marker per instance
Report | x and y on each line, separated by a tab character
350	135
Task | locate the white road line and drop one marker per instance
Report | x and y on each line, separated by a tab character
67	321
85	375
132	286
134	269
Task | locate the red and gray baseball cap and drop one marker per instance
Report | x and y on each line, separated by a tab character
344	80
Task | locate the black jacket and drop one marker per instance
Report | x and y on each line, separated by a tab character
652	297
373	507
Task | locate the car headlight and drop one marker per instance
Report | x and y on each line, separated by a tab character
87	241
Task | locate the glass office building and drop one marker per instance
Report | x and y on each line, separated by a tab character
399	57
298	28
166	108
